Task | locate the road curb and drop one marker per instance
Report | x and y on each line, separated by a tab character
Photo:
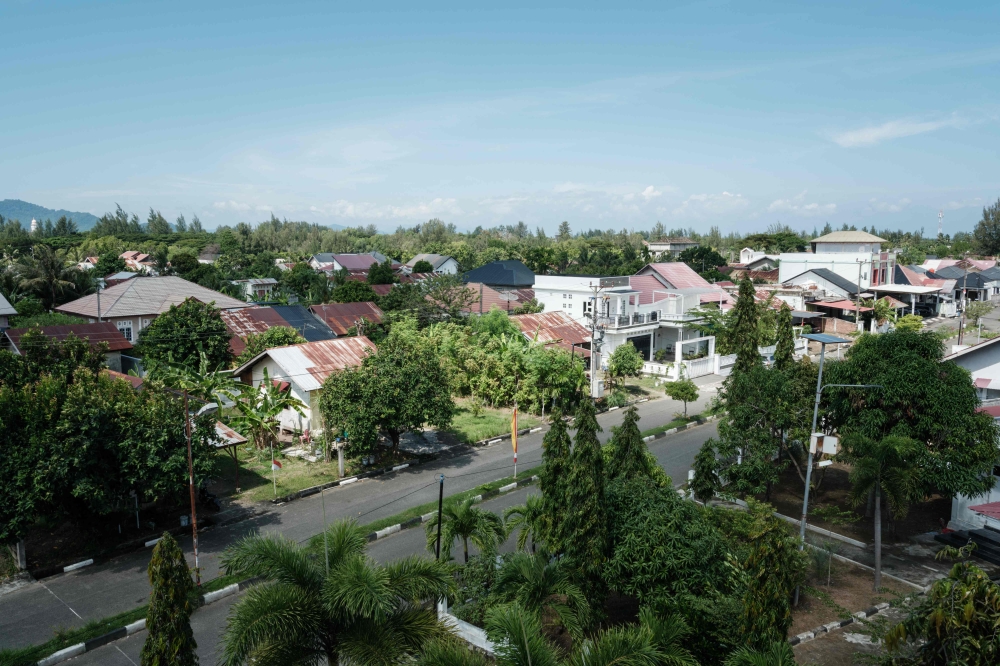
807	636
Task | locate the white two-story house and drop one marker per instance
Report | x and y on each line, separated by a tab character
856	256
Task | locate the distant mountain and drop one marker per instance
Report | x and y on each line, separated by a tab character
15	209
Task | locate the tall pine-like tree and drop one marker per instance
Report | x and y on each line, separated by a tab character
629	456
587	534
553	484
169	639
745	331
786	339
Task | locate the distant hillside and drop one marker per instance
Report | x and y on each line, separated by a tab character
15	209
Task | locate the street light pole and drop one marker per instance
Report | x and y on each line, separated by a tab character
440	511
194	511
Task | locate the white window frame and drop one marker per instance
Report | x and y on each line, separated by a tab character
125	328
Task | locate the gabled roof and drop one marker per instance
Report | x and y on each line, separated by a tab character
675	240
147	296
95	333
355	262
676	274
323	257
306	323
962	279
435	260
249	321
309	364
5	307
972	349
509	273
831	277
136	382
991	274
504	299
342	316
552	327
849	237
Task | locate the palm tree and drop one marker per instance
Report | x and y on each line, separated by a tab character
46	274
345	608
527	518
466	521
543	586
518	640
778	654
886	467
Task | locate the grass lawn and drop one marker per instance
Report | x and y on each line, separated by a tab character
667	426
644	386
491	423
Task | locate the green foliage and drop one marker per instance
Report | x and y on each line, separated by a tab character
110	263
169	639
353	292
702	259
156	224
45	319
625	361
545	587
184	263
399	388
626	454
423	267
277	336
586	530
495	323
309	285
467	522
527	518
42	355
706	482
344	608
910	323
976	310
745	331
257	411
382	273
45	274
183	333
955	623
553	484
922	398
684	390
778	653
986	235
786	339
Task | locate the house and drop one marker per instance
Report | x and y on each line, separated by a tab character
824	283
116	278
968	286
983	361
505	284
95	334
133	305
309	326
139	262
6	311
439	263
757	260
856	256
210	254
257	289
304	367
88	264
331	263
486	298
249	321
672	246
556	328
341	317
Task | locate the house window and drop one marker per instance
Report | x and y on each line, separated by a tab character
125	328
570	296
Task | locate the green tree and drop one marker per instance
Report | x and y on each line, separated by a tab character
786	339
258	411
684	390
276	336
885	469
625	361
976	310
169	639
196	225
564	233
706	482
183	332
954	623
922	397
629	456
344	607
745	330
545	587
986	235
306	283
586	532
552	483
911	322
181	224
109	263
778	653
382	273
399	388
353	292
447	297
467	522
45	274
702	259
156	224
184	263
527	518
423	267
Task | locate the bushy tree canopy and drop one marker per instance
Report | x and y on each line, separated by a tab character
183	332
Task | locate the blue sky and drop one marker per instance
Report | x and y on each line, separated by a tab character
733	114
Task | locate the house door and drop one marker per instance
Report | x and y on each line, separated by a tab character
642	345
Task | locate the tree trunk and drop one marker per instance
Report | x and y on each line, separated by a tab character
871	504
465	545
878	537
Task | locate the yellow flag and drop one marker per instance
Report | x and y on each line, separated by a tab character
513	432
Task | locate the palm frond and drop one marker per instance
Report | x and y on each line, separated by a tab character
667	635
416	578
517	637
345	539
778	654
358	588
274	558
274	624
450	652
388	642
617	647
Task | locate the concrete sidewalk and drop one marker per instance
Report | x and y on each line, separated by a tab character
31	614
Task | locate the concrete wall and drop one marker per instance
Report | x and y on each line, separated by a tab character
984	362
844	264
289	419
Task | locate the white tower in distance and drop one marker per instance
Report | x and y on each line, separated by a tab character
940	222
34	225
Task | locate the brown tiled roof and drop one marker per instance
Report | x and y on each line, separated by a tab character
147	296
95	333
136	382
342	316
507	300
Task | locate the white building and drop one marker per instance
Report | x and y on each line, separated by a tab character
440	263
757	260
257	289
856	256
669	246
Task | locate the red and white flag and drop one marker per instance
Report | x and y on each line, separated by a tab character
275	465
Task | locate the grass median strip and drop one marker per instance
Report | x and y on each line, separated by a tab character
676	423
63	639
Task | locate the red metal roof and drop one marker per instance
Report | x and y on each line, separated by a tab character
648	286
96	333
993	410
342	316
249	321
679	274
840	305
552	327
136	382
381	289
991	509
355	262
507	300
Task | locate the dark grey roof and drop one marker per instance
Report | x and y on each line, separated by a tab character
830	276
991	274
308	325
970	281
950	272
324	257
508	273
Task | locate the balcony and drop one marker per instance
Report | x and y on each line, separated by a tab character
626	320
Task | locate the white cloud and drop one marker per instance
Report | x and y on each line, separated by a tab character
887	207
966	203
343	208
231	205
797	206
701	205
894	129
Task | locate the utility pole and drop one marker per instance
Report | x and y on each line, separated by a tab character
440	511
857	306
194	511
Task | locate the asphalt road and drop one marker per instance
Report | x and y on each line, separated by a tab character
31	614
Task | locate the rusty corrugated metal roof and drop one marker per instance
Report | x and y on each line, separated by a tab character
552	327
95	333
342	316
249	321
309	364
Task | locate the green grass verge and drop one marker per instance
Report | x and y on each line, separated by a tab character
30	655
668	426
490	423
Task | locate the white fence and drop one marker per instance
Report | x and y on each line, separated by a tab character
698	367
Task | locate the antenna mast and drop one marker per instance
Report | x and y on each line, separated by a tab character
940	222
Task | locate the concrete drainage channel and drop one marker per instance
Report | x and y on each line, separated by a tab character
135	627
833	626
